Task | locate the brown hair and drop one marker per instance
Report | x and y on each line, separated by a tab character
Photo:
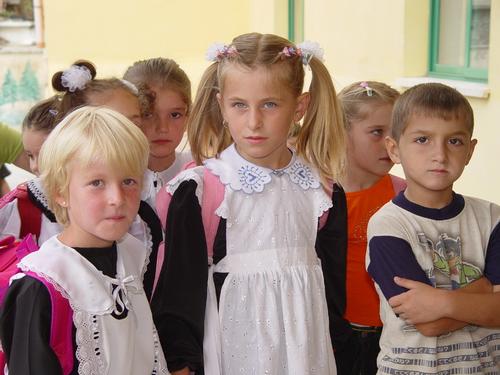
42	116
432	100
355	98
71	100
165	73
321	138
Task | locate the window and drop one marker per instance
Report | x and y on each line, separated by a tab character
296	20
460	31
18	22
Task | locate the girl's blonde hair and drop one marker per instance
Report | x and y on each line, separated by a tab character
162	72
89	135
357	98
321	138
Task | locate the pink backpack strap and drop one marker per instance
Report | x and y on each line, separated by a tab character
61	326
30	214
213	194
12	195
11	252
163	199
398	183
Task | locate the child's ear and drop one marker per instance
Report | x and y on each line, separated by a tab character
302	105
392	149
61	201
473	144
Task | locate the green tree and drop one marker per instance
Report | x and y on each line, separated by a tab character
29	89
9	88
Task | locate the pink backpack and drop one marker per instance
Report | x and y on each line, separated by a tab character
213	194
11	252
30	214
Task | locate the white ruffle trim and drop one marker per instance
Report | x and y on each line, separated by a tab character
195	174
88	344
239	174
325	202
160	365
35	187
148	239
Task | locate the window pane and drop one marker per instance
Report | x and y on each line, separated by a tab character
452	20
480	33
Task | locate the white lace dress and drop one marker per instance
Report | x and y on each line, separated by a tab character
105	344
272	316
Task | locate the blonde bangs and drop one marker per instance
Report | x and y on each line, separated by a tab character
86	136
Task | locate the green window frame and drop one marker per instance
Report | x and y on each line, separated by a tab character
464	71
296	20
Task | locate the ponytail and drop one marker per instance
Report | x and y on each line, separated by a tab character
206	133
321	139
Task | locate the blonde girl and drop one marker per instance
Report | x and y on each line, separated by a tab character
169	90
260	306
94	265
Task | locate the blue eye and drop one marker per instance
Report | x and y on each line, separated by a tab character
238	105
269	105
377	132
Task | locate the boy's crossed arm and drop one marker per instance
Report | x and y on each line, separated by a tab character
433	311
436	311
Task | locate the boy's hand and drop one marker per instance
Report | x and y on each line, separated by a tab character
420	304
423	303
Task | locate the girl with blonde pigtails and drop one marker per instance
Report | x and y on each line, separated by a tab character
264	294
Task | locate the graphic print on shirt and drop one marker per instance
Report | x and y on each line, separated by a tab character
447	259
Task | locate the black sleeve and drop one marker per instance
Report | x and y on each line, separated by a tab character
149	217
331	247
25	329
179	300
4	171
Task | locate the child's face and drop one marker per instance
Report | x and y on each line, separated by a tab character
165	127
259	112
433	153
32	143
120	101
366	152
102	202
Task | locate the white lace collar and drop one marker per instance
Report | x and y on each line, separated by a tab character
149	190
240	174
74	276
35	187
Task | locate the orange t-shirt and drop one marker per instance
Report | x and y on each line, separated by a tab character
362	299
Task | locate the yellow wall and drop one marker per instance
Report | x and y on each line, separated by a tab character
388	39
115	33
363	40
